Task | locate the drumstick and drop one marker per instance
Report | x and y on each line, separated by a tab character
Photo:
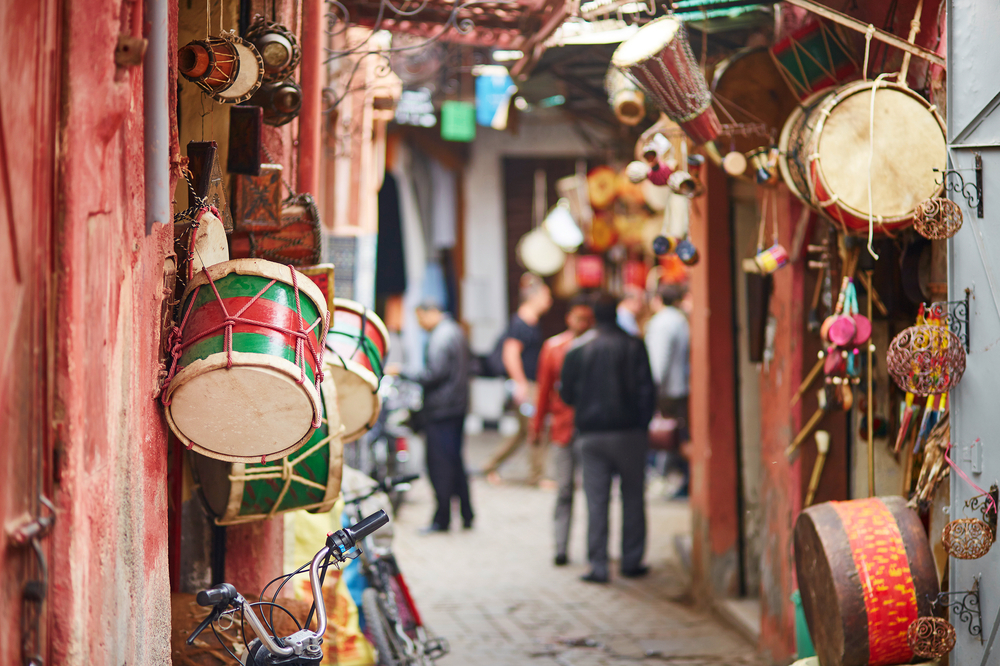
866	279
823	447
810	378
814	420
914	29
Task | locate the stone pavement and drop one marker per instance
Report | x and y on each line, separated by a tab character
494	593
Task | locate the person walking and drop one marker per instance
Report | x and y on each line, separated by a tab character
629	309
518	350
607	381
579	319
445	380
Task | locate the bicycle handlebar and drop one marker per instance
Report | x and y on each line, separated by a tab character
385	486
217	595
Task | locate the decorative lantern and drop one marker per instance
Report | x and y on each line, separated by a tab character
931	637
967	538
926	359
937	218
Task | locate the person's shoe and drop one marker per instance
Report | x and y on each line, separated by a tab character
637	572
594	577
561	560
433	528
467	524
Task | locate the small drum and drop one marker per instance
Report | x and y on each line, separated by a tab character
624	96
359	343
814	57
866	572
750	88
792	157
909	144
307	479
247	357
660	60
227	68
539	253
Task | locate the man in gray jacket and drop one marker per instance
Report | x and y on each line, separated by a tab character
445	380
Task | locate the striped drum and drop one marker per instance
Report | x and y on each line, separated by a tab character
307	479
866	572
247	356
359	343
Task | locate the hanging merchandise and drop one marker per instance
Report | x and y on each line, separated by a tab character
814	57
866	573
774	257
257	200
734	163
687	252
296	242
764	162
937	218
458	121
205	179
931	637
536	250
358	343
278	48
624	96
494	88
574	190
589	271
228	68
281	102
602	185
967	538
246	140
200	240
659	58
247	359
235	492
562	228
934	467
927	358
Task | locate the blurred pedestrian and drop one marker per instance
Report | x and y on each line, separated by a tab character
579	319
630	308
518	349
445	380
607	381
668	342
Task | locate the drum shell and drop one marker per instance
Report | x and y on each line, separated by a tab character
794	57
793	144
830	538
351	319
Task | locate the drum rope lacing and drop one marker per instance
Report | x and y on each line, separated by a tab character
302	337
364	344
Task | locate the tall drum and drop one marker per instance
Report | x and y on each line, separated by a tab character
866	572
909	143
247	359
659	58
793	159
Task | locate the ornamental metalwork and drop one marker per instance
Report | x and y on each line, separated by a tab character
931	637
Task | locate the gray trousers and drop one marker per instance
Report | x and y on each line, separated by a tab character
604	455
565	461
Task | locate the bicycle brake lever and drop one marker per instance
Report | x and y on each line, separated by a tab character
212	617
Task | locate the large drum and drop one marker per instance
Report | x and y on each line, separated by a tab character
866	572
307	479
660	60
814	57
909	143
358	343
247	358
793	161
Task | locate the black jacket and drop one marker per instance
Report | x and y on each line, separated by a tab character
445	377
607	380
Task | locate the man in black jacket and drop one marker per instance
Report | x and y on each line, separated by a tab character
445	380
607	380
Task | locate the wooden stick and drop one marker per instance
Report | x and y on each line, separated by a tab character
799	438
861	26
823	447
866	279
807	382
871	419
914	29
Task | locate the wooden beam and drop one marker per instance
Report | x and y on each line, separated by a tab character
861	26
534	46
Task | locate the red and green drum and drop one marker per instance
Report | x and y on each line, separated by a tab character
247	362
358	342
307	479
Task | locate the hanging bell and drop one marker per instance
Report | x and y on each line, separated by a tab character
663	245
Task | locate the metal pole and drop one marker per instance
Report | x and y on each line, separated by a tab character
156	116
311	116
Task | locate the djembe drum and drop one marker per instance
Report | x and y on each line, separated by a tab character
244	385
307	479
659	58
866	573
358	343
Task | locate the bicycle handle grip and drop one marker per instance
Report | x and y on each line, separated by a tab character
373	522
216	595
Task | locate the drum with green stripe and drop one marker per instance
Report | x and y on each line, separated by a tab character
251	345
307	479
358	343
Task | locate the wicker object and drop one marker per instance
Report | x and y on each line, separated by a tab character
926	360
931	637
937	218
967	538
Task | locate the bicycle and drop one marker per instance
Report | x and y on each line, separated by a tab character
391	617
304	647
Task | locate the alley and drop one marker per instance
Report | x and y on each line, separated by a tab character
495	594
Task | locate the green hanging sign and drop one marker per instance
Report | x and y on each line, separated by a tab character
458	121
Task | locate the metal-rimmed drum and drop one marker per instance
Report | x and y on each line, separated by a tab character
247	358
358	343
308	479
793	163
909	144
659	58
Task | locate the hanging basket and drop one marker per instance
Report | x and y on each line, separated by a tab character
926	360
937	218
931	637
967	538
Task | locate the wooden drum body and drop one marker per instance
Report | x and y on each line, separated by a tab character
814	57
358	343
793	158
307	479
866	572
909	143
659	58
247	358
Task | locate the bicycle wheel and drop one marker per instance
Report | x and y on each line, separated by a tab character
380	629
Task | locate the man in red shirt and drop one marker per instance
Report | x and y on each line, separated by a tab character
579	319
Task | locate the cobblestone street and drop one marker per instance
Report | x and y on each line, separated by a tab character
494	593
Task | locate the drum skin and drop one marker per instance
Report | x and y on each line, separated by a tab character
865	572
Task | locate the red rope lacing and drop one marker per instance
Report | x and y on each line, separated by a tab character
303	341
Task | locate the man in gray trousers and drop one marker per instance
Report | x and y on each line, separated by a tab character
606	379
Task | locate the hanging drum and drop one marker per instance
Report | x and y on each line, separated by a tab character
247	358
909	144
659	58
280	100
793	163
624	96
227	68
358	343
866	573
308	479
278	48
814	57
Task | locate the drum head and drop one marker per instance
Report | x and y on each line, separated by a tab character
647	42
909	145
248	78
357	396
253	410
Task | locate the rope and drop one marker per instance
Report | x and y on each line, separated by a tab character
871	159
869	33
